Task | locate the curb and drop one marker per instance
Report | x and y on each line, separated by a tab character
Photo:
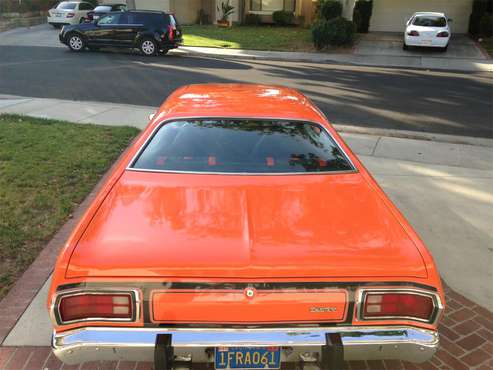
413	62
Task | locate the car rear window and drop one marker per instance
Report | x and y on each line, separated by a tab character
66	6
102	9
242	146
430	21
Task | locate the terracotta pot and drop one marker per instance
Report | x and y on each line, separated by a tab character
224	24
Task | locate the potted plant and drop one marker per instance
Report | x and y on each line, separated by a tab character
226	10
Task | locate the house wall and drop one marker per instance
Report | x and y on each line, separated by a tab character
307	11
186	11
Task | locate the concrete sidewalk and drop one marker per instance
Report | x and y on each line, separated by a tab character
443	188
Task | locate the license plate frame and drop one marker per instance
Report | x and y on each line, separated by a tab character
267	358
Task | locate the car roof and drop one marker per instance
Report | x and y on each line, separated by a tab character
240	101
430	13
146	11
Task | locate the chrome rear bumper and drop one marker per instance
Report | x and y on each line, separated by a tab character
193	344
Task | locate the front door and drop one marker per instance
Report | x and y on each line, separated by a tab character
104	31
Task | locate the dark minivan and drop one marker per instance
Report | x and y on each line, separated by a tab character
149	31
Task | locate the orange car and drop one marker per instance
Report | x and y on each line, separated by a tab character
240	230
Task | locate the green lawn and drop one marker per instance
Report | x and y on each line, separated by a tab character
253	38
46	169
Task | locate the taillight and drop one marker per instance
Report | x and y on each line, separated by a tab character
443	34
413	33
94	306
398	305
70	15
171	33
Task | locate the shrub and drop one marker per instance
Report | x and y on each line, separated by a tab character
474	21
362	14
319	33
482	6
479	9
252	20
486	25
329	9
283	18
335	32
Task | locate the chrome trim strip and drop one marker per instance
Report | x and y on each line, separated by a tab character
158	126
104	343
361	293
135	295
244	173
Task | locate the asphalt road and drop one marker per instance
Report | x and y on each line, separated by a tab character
416	100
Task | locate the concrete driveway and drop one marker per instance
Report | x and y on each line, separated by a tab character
386	43
42	35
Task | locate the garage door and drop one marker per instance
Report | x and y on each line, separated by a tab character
162	5
390	15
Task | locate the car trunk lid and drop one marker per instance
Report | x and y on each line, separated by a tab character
230	227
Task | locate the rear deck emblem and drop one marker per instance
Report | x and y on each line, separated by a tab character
322	309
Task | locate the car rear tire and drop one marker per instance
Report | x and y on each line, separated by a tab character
148	47
76	42
405	47
444	49
56	26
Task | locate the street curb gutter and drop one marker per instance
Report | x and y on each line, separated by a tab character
384	61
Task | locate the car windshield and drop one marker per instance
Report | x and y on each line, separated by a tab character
66	6
430	21
242	146
102	9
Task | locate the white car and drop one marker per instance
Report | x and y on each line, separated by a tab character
427	29
69	12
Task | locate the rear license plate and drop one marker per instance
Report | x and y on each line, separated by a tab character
426	42
248	358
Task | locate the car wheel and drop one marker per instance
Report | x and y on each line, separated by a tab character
444	49
56	25
76	42
405	47
148	47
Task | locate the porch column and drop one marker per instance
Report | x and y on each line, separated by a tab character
348	8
